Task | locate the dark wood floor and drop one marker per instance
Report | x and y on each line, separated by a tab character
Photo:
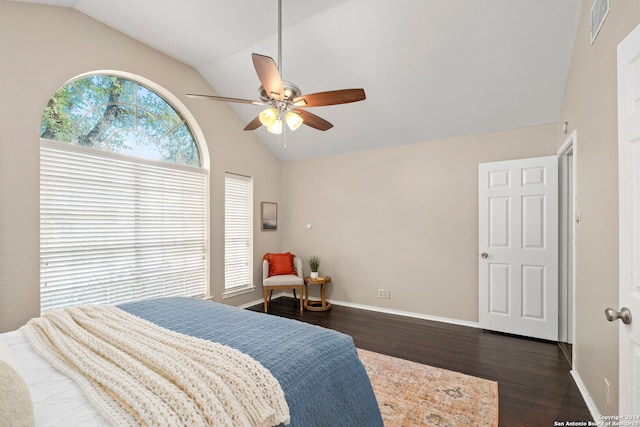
534	383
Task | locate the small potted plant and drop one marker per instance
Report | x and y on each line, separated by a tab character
314	263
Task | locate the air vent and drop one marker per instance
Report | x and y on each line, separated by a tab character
599	12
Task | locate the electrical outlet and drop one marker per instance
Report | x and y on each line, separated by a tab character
607	391
384	293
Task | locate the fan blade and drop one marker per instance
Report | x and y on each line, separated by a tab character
269	75
332	97
253	124
223	99
314	121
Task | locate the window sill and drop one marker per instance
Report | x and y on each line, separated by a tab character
238	291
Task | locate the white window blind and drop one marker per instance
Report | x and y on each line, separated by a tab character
114	229
238	231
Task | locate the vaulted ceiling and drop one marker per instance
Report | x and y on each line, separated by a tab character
431	69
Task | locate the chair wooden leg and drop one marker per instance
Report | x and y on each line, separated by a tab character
268	293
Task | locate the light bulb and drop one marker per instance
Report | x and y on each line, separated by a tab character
268	117
276	127
294	121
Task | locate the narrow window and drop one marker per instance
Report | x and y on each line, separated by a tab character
238	234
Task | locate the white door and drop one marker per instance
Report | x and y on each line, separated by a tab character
629	200
518	247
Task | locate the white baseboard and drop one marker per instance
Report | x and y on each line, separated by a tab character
379	310
593	410
408	314
256	302
260	301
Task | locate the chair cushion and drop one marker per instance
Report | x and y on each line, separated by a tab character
283	280
280	263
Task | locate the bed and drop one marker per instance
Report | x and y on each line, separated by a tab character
323	381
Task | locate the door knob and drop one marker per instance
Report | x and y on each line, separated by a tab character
624	314
484	255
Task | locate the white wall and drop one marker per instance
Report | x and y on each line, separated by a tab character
42	48
401	218
590	107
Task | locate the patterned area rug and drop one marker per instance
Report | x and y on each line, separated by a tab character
412	394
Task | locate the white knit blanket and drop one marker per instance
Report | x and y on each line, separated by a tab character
140	374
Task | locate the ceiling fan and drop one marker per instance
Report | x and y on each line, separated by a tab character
284	101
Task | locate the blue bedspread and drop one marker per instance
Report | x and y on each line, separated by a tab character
324	382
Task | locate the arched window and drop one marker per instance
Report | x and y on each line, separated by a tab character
119	115
123	196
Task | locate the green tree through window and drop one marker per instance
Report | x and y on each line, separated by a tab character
115	114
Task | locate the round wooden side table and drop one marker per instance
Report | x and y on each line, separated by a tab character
321	305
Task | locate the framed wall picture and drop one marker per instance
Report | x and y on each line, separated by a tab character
269	216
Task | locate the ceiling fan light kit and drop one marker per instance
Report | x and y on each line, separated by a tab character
268	117
276	127
280	110
294	121
284	100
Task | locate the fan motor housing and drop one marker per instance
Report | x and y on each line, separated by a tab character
291	91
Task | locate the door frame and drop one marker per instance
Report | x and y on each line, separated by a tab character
569	220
